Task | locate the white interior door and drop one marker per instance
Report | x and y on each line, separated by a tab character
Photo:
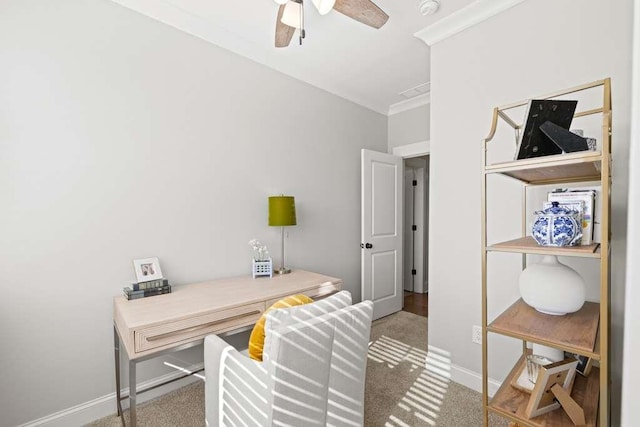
382	178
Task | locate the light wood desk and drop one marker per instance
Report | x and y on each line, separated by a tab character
150	327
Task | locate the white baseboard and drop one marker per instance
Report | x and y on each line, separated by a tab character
472	379
106	405
438	361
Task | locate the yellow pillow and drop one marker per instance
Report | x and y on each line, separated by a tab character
256	341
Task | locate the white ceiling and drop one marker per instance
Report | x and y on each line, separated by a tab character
367	66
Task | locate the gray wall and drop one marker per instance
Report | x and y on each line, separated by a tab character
408	127
123	138
534	48
630	407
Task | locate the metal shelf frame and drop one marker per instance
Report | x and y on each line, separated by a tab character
581	167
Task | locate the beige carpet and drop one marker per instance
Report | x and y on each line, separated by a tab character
399	391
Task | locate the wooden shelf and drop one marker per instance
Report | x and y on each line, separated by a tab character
527	245
575	332
583	166
511	403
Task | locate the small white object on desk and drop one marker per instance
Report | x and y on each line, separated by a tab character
262	268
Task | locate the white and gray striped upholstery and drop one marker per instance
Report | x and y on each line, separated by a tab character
302	313
313	372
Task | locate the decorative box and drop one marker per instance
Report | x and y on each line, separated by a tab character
262	268
557	226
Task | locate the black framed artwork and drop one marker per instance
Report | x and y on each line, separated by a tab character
533	142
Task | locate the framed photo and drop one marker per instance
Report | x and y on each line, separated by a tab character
147	269
542	399
532	142
584	363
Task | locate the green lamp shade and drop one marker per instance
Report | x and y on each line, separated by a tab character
282	210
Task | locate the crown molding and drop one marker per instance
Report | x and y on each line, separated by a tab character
410	104
468	16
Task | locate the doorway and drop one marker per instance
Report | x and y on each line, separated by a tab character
416	234
388	275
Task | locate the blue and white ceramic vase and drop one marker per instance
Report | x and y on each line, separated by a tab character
557	226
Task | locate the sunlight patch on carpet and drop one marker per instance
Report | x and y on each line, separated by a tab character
393	352
422	402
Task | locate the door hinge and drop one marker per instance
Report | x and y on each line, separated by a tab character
413	272
414	227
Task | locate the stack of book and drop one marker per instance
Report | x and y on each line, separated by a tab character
582	200
147	289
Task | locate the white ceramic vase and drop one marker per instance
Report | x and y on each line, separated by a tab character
552	287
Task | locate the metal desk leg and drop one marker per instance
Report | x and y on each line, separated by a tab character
116	351
132	393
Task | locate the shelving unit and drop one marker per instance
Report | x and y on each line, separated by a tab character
585	332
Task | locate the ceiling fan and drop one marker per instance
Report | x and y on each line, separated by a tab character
291	16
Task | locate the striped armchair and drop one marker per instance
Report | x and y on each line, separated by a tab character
313	372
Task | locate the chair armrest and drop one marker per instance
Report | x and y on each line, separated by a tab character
236	386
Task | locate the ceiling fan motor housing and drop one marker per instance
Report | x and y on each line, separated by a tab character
324	6
291	15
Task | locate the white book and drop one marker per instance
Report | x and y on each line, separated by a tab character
588	198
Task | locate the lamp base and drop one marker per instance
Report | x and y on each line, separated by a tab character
283	270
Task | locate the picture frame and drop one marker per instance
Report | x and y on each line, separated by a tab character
584	363
542	398
147	269
532	142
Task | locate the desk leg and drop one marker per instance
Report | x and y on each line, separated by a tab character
116	351
132	393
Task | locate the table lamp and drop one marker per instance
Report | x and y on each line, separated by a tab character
282	212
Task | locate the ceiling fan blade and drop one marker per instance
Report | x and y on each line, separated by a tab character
284	33
364	11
